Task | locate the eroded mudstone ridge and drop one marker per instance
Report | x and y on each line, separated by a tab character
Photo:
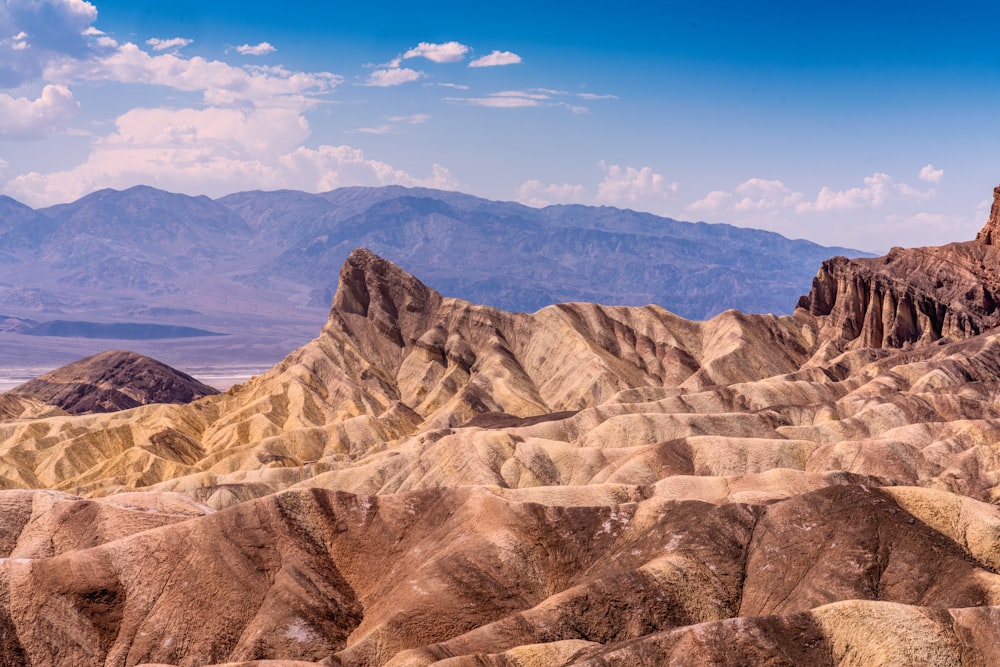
911	295
989	233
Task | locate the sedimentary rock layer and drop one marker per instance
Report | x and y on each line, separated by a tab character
434	482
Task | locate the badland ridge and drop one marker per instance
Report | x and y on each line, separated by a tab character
431	481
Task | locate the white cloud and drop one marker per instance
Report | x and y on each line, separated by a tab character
535	193
42	32
219	82
497	102
414	119
379	129
165	44
931	175
455	86
496	59
214	151
22	118
261	49
713	201
448	52
631	186
592	96
876	189
384	78
330	167
759	194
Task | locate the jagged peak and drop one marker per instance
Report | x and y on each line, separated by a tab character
375	288
990	233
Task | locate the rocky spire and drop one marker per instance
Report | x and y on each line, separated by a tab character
990	234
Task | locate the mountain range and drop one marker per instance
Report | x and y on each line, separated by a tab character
261	267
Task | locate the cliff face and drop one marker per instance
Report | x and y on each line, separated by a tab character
911	295
990	234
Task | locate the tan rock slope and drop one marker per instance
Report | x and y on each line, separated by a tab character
434	482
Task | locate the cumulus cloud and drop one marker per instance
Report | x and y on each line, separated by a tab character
219	82
168	44
42	32
261	49
395	76
757	194
448	52
22	118
931	175
330	167
413	119
713	201
496	59
632	186
876	190
214	151
536	193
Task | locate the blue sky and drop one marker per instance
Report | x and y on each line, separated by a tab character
848	124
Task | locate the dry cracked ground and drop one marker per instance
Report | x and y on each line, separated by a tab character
435	482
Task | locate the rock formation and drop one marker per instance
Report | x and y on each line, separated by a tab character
110	381
435	482
912	295
990	234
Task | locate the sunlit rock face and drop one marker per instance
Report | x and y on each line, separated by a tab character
431	481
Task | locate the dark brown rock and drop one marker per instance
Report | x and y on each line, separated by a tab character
112	381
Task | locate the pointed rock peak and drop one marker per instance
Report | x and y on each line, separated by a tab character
376	288
990	233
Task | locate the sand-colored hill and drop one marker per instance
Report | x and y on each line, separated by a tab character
435	482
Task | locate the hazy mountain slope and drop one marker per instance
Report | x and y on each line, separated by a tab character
561	253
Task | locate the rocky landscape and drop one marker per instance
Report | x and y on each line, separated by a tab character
431	481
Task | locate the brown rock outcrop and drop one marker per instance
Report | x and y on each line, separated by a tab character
990	233
913	295
111	381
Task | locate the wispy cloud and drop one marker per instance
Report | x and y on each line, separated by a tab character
514	99
261	49
448	52
384	78
592	96
497	102
454	86
394	122
168	44
413	119
496	59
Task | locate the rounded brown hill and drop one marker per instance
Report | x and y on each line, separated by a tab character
111	381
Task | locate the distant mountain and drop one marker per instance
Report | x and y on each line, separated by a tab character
263	266
521	258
